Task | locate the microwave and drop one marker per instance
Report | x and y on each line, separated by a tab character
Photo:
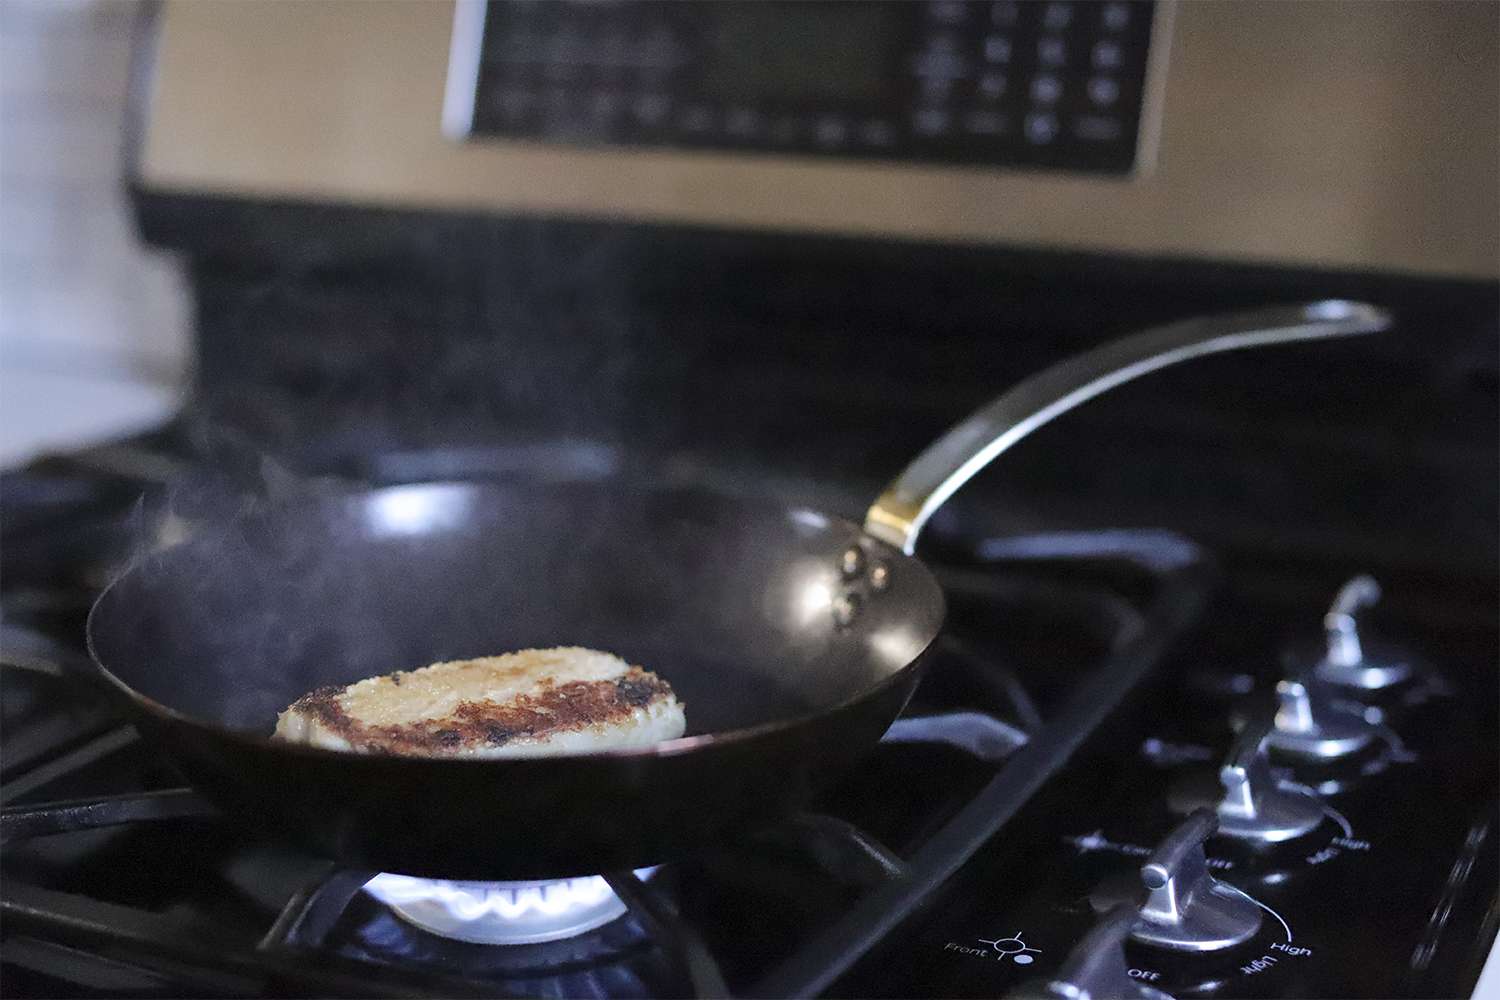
1347	134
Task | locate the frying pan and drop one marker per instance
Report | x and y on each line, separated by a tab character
794	638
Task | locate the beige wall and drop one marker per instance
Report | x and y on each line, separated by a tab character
1346	134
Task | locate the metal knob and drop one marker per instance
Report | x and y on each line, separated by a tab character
1352	659
1307	726
1096	968
1187	909
1250	804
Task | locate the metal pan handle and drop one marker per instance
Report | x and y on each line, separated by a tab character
902	510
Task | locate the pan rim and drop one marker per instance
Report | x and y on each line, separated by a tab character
678	746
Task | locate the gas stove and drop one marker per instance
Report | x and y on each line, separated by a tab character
1136	768
1214	711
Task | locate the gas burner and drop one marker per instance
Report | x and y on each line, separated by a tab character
502	913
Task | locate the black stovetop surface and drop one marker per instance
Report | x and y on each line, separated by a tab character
1081	674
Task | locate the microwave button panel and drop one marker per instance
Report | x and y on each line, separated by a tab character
1060	84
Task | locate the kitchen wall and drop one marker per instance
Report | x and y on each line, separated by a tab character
93	327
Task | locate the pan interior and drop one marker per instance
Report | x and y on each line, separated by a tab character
739	606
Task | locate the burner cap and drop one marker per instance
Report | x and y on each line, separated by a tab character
501	912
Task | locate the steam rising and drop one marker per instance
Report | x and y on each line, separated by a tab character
486	343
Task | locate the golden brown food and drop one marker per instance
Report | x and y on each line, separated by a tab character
532	703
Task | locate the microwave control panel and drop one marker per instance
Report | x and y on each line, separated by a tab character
1050	84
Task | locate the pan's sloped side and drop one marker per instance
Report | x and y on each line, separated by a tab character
527	818
744	608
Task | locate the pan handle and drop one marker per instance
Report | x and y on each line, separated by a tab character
902	510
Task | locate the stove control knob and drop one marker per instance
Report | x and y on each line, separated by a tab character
1186	908
1307	726
1351	658
1096	968
1250	804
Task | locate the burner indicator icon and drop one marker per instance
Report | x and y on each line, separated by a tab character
1013	948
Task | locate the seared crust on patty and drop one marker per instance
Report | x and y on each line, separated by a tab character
530	703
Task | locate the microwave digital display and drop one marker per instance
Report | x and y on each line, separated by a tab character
799	52
1054	84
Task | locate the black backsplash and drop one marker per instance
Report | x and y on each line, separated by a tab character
327	331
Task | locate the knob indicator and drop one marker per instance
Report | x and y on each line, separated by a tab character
1351	658
1186	908
1306	726
1250	804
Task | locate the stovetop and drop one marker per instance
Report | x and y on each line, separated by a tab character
1093	688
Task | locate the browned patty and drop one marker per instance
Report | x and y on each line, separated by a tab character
555	708
531	703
